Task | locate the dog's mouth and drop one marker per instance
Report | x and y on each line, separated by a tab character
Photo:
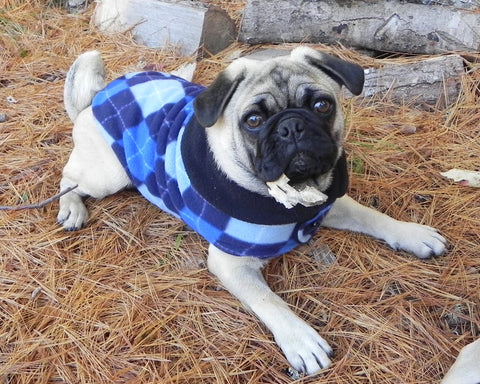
300	182
305	166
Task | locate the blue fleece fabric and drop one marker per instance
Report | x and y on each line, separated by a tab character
145	116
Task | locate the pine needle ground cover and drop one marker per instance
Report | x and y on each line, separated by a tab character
128	299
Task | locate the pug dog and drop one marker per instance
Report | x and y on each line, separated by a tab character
254	163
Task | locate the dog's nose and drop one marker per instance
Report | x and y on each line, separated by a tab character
291	128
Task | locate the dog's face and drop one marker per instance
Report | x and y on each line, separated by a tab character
277	117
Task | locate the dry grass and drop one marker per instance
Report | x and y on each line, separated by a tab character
128	299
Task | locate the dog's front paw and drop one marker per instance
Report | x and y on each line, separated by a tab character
72	214
304	348
421	240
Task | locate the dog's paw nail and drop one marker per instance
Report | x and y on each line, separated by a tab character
293	373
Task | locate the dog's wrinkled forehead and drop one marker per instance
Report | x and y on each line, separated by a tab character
280	85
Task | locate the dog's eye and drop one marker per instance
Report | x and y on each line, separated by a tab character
254	120
322	106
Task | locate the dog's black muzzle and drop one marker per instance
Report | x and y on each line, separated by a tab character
296	142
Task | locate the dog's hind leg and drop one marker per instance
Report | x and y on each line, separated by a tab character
93	168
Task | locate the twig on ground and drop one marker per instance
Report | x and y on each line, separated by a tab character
36	205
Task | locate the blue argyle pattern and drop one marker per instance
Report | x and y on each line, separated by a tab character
144	116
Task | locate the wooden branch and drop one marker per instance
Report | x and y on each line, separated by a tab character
378	25
36	205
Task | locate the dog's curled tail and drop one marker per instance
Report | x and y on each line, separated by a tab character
84	79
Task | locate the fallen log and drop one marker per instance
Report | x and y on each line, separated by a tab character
155	23
391	26
434	82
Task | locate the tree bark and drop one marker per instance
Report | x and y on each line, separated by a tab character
433	82
377	25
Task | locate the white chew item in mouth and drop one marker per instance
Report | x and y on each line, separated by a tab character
305	194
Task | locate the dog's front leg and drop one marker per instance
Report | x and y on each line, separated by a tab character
421	240
305	350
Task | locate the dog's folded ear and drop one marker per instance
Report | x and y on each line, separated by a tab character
349	74
210	104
